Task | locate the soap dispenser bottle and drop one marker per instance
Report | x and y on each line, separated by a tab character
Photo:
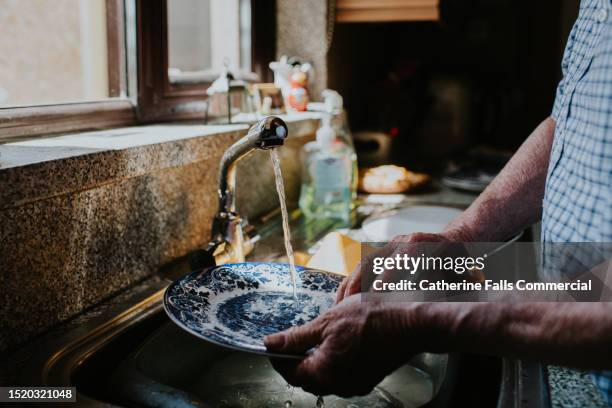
334	105
327	176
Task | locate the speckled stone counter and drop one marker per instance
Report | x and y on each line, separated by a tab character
84	216
573	389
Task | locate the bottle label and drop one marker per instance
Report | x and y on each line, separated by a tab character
331	179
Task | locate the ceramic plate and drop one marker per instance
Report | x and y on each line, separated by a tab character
423	218
237	305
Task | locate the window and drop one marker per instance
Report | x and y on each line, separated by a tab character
53	54
204	36
68	65
62	66
197	38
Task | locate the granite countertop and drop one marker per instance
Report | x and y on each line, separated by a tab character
32	170
571	388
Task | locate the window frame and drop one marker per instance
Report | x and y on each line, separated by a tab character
116	49
29	121
157	99
161	100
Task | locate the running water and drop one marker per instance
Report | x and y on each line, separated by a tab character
280	188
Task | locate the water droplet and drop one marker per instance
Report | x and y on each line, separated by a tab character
288	404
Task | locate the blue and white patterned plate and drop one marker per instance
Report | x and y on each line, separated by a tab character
237	305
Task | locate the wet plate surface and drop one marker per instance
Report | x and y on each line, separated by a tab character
237	305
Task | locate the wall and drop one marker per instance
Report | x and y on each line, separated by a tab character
302	31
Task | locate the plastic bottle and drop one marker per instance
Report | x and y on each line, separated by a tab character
327	179
334	105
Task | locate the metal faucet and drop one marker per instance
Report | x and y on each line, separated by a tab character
228	243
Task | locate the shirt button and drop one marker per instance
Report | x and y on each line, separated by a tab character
602	14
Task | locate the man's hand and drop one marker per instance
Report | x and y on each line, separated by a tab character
357	345
352	284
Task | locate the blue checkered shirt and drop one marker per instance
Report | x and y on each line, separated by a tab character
578	197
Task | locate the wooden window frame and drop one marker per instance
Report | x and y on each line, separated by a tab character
157	99
115	40
29	121
263	38
161	100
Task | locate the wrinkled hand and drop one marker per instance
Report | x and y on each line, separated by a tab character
357	345
352	284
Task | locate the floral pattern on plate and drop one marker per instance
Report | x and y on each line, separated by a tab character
237	305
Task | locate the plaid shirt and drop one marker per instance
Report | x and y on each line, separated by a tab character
578	197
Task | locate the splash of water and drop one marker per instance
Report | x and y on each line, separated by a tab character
280	189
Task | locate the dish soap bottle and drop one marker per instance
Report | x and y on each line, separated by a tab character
327	176
334	105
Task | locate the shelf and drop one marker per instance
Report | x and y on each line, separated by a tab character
361	11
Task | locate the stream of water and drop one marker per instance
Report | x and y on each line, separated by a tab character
280	188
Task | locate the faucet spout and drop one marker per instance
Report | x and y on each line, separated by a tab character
269	133
227	233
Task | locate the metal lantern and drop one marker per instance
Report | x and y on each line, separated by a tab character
231	92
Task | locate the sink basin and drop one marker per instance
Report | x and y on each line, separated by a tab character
151	362
140	358
172	365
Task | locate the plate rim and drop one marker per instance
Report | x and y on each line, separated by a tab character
182	326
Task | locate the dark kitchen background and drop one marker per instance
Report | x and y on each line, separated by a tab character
484	75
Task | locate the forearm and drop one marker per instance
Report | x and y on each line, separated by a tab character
513	200
572	334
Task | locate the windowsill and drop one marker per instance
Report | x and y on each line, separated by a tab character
44	167
57	148
177	77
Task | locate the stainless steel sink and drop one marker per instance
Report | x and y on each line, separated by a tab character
173	366
140	358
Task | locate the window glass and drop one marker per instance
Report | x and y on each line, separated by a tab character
53	52
206	35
